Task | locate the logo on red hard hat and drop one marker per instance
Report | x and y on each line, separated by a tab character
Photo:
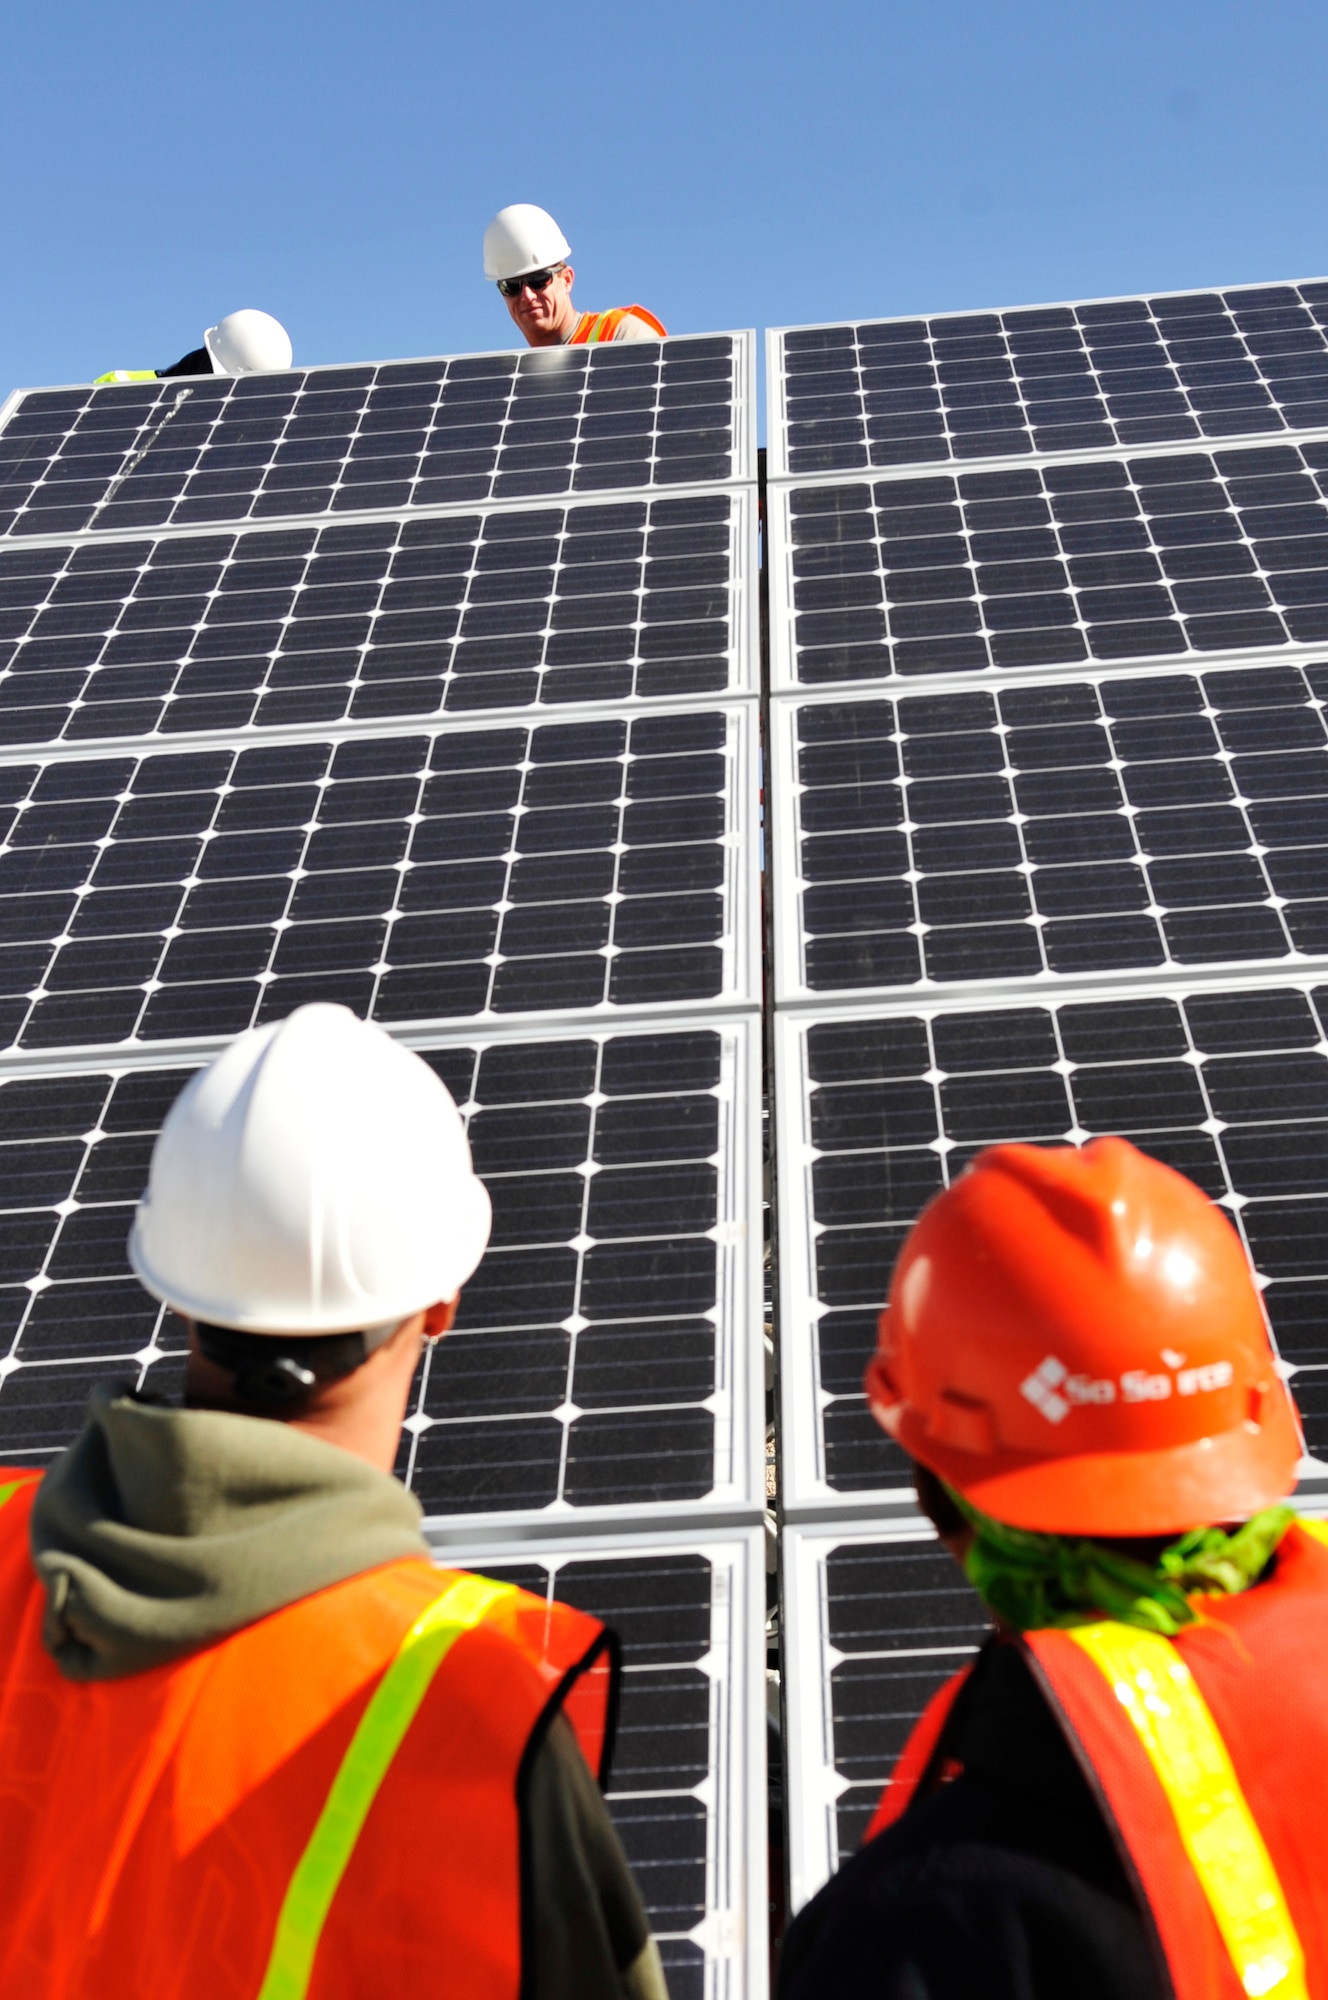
1075	1340
1052	1389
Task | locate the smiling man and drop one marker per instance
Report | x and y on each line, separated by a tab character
525	255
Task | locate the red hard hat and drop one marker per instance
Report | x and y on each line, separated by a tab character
1075	1342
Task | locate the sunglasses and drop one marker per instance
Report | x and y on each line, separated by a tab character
512	288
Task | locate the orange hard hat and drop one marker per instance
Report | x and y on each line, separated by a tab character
1074	1341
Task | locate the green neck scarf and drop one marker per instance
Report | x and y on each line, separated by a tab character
1036	1580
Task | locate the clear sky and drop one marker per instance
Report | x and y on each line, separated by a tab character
726	162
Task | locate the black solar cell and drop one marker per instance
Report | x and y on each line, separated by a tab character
1067	564
1229	1086
403	434
1052	379
422	877
359	622
590	1345
1175	819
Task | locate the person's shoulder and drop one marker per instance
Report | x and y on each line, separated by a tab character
928	1909
638	323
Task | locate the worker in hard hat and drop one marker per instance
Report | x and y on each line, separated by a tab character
254	1742
248	342
1119	1799
525	255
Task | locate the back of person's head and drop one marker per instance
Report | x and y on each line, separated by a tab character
1075	1345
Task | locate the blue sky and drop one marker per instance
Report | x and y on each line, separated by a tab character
726	162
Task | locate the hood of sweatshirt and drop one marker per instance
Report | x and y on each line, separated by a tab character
161	1530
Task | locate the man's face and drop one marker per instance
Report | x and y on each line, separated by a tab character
546	317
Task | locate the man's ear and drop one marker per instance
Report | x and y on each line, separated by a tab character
438	1318
570	276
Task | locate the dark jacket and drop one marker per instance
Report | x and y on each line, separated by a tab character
1000	1881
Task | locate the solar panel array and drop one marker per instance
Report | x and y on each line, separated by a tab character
429	689
1048	779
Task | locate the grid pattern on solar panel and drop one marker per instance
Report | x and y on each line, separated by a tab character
1230	1087
901	1618
1177	819
1055	378
665	1747
575	864
591	1362
1063	564
365	620
403	434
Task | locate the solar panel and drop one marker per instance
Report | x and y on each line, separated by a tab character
429	433
598	862
961	386
599	1358
1228	1083
876	1619
687	1785
1144	557
395	616
1049	830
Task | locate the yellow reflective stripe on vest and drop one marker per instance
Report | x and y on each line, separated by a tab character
8	1492
392	1708
1175	1726
1319	1529
125	375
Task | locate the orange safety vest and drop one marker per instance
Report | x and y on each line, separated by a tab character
594	327
170	1834
1206	1753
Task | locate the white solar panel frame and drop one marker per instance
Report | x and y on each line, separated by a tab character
733	1932
777	401
805	1492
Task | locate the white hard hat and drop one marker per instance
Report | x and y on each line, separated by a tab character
522	238
248	342
314	1179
